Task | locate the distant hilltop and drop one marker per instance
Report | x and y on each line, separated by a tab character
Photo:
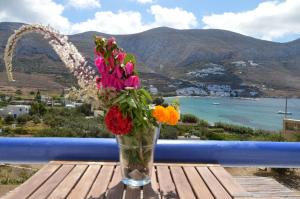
185	62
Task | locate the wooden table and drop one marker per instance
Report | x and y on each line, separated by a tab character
62	179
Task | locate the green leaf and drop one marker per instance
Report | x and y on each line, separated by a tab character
130	58
132	103
146	94
118	99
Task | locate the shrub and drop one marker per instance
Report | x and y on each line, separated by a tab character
203	123
215	136
22	119
9	119
3	103
36	119
158	101
297	137
19	131
18	98
168	132
57	132
222	136
85	109
234	128
189	118
269	137
37	109
216	130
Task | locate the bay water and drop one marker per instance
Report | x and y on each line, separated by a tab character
260	113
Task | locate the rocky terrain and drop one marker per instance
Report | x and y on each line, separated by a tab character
191	61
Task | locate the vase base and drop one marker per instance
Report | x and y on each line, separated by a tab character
135	183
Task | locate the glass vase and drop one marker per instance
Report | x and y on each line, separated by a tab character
136	152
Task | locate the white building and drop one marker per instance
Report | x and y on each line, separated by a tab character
14	110
213	70
219	90
239	63
191	91
73	104
153	90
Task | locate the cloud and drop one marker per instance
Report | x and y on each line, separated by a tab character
84	4
127	22
34	11
113	23
145	1
120	22
173	17
269	20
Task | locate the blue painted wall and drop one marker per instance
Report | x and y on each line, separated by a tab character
227	153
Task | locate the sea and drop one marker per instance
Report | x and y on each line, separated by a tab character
259	113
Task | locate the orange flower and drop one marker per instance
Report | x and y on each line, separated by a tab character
173	115
160	114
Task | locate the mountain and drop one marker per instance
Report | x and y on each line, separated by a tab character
171	59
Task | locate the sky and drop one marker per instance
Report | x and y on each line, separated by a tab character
274	20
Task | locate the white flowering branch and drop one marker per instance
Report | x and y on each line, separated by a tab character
68	53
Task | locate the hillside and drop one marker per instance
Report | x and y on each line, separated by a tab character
171	59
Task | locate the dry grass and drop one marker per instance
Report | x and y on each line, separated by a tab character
15	174
29	82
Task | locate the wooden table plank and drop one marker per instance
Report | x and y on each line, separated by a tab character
151	191
116	187
46	189
65	187
83	186
27	188
101	183
167	187
228	182
213	184
67	179
197	183
84	163
182	184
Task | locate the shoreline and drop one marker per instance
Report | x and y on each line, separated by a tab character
256	113
244	98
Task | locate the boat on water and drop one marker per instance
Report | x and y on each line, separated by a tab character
284	113
216	103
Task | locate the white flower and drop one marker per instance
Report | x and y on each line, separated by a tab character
68	53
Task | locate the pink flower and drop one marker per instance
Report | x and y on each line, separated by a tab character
110	81
96	53
132	81
119	84
118	72
111	61
110	42
100	64
129	68
98	82
121	57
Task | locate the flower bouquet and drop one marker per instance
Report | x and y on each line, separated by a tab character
116	89
128	111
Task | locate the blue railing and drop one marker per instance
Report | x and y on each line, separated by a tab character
227	153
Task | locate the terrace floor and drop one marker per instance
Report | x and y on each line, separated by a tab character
62	179
266	187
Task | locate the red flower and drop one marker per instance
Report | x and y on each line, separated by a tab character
116	122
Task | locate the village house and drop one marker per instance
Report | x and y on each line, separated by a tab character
14	110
